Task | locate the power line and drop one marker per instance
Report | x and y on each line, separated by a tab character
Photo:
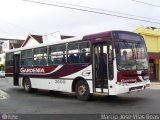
11	26
14	26
105	10
17	26
92	11
145	3
7	33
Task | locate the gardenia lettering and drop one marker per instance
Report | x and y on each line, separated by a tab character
32	70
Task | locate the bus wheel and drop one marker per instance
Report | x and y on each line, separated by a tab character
82	91
27	85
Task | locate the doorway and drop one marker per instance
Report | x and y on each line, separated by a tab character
100	65
16	61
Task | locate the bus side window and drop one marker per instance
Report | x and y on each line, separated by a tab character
26	58
63	60
40	56
78	52
50	60
57	54
9	59
71	58
73	53
43	61
36	62
84	56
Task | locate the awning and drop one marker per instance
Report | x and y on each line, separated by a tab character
153	55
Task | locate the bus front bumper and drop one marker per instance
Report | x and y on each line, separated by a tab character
132	87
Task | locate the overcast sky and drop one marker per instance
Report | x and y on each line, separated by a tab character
20	18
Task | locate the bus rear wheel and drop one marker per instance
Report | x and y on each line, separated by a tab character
27	85
82	91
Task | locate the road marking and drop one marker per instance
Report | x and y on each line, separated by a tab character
3	95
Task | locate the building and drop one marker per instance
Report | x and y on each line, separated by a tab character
38	39
32	40
152	40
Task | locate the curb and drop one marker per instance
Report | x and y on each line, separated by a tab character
154	83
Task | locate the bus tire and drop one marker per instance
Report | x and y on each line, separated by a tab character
27	85
82	91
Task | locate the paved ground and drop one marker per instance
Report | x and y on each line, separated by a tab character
19	102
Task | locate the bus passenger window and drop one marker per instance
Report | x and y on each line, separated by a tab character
40	56
73	58
26	58
78	52
9	59
57	54
43	61
83	58
50	60
73	53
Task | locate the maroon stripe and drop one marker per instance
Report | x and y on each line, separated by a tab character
63	71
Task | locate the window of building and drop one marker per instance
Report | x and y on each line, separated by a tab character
26	58
57	54
40	56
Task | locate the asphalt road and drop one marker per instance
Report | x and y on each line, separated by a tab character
42	102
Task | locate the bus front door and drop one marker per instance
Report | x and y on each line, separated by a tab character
100	67
16	69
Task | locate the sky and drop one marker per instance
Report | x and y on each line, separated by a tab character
19	18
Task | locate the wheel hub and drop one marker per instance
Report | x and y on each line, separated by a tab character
27	85
81	90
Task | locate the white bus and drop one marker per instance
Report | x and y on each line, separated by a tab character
84	65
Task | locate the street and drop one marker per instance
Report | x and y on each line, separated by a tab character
41	102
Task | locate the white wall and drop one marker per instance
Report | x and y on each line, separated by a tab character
31	42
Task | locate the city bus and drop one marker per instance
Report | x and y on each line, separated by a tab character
83	65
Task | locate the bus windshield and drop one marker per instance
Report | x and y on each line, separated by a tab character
131	55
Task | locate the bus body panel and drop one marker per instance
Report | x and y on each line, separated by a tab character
112	85
46	80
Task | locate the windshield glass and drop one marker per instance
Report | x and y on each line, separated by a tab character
131	55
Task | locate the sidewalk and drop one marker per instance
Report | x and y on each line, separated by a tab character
155	83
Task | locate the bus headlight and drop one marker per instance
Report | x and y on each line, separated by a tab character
147	85
146	77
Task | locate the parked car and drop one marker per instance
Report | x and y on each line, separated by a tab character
2	74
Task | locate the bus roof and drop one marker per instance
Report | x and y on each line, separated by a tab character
97	35
104	34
